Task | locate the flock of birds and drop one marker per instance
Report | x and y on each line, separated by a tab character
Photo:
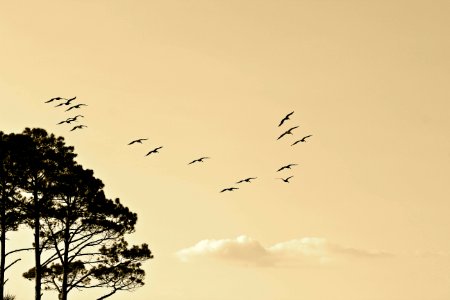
245	180
286	179
68	102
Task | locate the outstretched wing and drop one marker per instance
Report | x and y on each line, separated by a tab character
285	118
284	133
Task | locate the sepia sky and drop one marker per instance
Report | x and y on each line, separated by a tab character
365	216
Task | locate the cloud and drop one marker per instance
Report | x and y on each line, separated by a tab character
297	252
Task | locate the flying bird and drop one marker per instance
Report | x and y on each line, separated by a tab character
198	160
78	127
65	121
137	141
286	167
76	106
154	151
229	189
56	98
246	180
76	117
287	132
69	120
285	118
302	140
67	101
286	179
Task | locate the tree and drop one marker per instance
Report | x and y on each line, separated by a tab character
45	158
11	169
83	228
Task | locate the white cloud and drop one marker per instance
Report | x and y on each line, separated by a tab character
297	252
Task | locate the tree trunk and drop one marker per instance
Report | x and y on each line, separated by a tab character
65	263
2	245
37	248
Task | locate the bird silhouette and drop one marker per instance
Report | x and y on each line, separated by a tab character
287	132
55	99
137	141
76	106
67	101
69	120
286	167
76	117
198	160
285	118
65	121
229	189
286	179
153	151
246	179
78	127
302	140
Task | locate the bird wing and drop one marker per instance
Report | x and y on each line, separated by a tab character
280	169
285	118
70	108
296	142
282	121
292	128
305	137
289	177
282	135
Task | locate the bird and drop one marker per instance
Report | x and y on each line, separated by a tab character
154	151
65	121
76	117
302	140
285	118
246	180
67	101
229	189
78	127
137	141
287	132
76	106
70	120
56	98
198	160
286	167
286	179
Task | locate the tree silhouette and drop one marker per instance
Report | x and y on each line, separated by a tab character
46	159
82	228
10	180
82	231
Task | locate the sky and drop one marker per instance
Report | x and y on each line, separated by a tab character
365	215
